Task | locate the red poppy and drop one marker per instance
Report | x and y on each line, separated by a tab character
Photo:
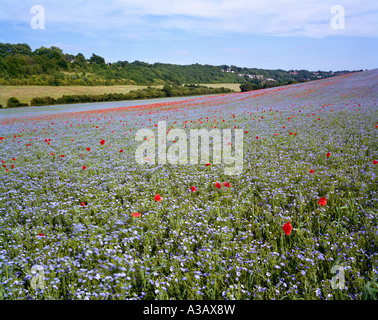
102	141
226	184
84	167
287	228
88	149
157	198
246	131
328	154
13	159
82	204
375	161
218	185
322	201
257	137
62	156
312	171
136	214
193	189
41	234
121	150
208	164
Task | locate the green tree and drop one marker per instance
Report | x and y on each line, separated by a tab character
20	48
13	102
80	60
96	59
168	90
247	87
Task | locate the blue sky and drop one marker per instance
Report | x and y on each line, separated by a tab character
270	34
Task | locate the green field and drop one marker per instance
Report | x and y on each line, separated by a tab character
232	86
26	93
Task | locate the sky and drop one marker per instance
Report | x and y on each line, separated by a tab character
271	34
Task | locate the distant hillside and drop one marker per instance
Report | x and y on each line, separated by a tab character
19	65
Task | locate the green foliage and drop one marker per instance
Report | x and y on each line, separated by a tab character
8	49
168	90
248	87
45	101
96	59
14	102
148	93
19	65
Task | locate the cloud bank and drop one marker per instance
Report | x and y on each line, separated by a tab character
160	18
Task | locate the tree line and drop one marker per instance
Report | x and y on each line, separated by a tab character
19	65
147	93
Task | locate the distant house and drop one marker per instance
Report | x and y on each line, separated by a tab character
230	70
259	76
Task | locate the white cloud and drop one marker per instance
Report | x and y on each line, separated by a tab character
233	50
136	18
181	52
